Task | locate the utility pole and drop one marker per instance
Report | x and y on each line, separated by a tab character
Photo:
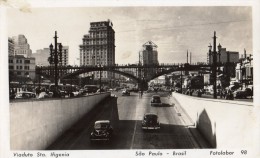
214	67
100	79
181	79
187	56
55	58
190	57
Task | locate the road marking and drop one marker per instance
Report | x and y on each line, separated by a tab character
133	137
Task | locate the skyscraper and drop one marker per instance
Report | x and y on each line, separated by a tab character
149	56
42	56
21	46
149	53
10	47
98	47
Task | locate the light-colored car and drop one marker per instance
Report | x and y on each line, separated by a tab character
25	95
125	93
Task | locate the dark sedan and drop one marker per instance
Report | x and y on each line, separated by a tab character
102	131
156	100
150	121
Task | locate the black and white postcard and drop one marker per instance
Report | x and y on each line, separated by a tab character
130	79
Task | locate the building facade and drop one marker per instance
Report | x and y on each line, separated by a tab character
10	47
21	67
244	71
149	53
21	46
224	56
41	56
148	56
98	47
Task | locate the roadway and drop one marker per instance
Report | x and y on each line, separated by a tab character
126	114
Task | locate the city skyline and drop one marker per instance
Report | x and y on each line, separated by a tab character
174	29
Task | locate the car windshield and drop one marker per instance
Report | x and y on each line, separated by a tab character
150	117
156	97
101	125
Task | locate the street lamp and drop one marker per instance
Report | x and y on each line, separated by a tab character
210	53
181	77
219	52
55	58
214	67
241	75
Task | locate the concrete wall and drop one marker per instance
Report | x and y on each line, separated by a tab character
34	125
225	124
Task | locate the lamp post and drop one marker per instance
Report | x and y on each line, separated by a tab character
219	62
219	52
55	58
100	73
214	66
181	79
241	75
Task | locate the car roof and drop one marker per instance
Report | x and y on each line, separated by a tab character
155	96
102	121
25	92
150	114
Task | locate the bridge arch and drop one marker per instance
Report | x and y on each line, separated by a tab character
165	72
82	71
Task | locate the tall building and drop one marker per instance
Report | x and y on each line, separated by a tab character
41	56
65	55
21	67
10	47
98	47
149	56
21	46
149	53
225	56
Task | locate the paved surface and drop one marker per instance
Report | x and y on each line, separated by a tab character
126	114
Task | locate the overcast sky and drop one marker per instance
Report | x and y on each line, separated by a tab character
174	29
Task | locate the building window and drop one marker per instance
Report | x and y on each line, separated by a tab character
21	67
27	61
19	73
11	67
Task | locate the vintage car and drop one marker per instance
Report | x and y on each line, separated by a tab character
150	121
25	95
125	93
242	93
102	131
156	100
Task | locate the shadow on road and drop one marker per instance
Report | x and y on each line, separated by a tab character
128	134
204	125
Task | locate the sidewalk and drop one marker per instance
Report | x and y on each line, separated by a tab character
230	120
218	97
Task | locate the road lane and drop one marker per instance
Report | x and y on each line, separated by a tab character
173	133
126	114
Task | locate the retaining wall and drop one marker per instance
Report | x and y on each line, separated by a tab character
34	125
225	124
